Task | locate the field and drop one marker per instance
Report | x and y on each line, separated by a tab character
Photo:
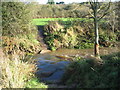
44	21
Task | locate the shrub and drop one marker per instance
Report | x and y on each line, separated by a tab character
18	32
85	74
59	35
16	18
23	44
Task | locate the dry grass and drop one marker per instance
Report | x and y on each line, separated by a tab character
14	72
21	44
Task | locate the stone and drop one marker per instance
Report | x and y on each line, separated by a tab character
65	57
55	77
50	69
62	64
46	70
44	51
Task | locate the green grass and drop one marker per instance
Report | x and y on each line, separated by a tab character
45	21
34	83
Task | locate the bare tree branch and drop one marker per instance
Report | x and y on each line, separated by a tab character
91	14
101	7
92	5
106	12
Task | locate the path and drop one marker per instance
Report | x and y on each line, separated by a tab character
40	38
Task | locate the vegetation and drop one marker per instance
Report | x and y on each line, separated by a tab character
82	26
84	73
34	83
18	42
97	9
76	34
45	21
50	2
18	33
65	26
15	72
62	11
16	16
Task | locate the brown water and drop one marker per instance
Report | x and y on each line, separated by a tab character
75	52
72	52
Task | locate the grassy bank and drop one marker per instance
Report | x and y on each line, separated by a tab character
17	72
35	83
17	43
85	74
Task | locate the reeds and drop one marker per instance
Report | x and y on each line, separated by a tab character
14	72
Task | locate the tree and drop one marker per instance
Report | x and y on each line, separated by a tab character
117	26
112	17
100	10
16	18
51	2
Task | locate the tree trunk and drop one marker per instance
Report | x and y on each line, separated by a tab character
96	47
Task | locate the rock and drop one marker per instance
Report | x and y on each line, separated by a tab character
65	57
45	69
50	69
62	65
55	77
44	51
46	73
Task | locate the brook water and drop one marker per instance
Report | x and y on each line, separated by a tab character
51	66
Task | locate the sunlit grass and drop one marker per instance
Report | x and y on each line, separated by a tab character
34	83
44	21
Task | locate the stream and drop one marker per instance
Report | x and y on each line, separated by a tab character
51	66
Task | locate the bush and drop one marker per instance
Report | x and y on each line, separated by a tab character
85	74
16	18
59	35
23	45
66	10
18	32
